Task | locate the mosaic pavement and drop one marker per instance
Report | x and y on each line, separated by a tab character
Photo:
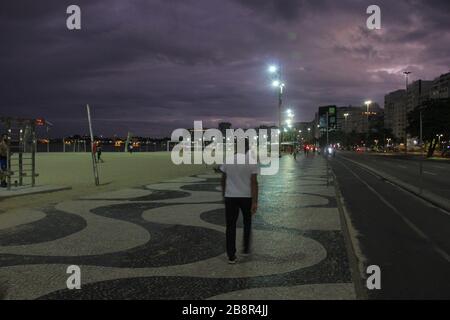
167	241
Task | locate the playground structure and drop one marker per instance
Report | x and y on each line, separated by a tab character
21	151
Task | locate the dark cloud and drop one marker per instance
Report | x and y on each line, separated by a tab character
150	66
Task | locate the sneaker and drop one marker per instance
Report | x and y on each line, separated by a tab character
232	260
245	253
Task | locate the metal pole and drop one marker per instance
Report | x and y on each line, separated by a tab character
325	151
406	73
20	151
33	161
421	158
280	104
94	163
20	168
367	136
8	166
48	140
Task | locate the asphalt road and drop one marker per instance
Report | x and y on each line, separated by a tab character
405	236
435	178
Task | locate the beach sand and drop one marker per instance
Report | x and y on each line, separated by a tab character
120	170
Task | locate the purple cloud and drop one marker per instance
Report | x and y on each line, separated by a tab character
152	66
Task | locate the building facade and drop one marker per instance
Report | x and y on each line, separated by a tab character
357	119
440	88
417	92
395	113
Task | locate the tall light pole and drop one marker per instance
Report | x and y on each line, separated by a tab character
48	125
367	103
278	83
406	73
289	122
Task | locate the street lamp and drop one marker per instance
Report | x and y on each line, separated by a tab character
273	69
439	138
406	73
278	83
367	103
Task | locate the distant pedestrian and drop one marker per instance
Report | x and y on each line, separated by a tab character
240	191
99	154
3	161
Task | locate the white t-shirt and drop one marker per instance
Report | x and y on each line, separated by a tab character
238	183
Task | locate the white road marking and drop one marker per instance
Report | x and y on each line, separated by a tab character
408	222
431	173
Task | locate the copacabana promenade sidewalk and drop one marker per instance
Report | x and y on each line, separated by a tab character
166	239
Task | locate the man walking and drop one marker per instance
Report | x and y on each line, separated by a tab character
240	190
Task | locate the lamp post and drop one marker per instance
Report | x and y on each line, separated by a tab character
439	139
367	103
289	122
406	73
277	83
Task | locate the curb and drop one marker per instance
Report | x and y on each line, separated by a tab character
32	191
355	262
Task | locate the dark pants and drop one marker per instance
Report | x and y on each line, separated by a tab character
232	206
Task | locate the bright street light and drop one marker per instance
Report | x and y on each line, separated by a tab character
277	82
367	103
273	69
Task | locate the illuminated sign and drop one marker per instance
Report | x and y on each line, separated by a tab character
40	122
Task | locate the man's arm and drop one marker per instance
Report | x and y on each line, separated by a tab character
254	187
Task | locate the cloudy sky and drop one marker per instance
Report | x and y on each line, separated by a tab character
150	66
